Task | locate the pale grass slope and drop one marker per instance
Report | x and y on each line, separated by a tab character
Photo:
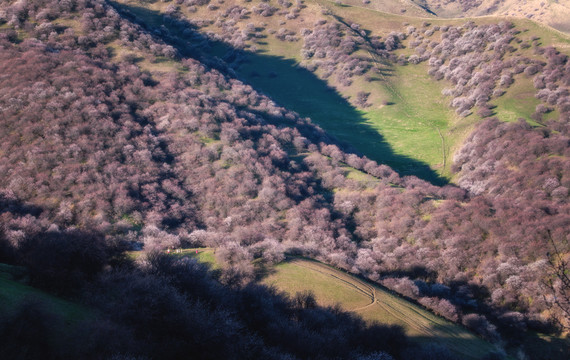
554	13
331	286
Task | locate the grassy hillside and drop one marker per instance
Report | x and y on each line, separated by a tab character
384	132
398	7
373	303
217	164
409	125
13	292
421	99
551	13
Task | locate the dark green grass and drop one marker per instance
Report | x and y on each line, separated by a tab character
300	90
13	291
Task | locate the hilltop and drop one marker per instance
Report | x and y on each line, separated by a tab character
552	13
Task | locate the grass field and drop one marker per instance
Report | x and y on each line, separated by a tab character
203	255
373	303
519	102
331	286
410	125
403	135
13	293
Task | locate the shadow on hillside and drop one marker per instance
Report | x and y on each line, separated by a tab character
532	346
289	84
459	344
453	337
543	348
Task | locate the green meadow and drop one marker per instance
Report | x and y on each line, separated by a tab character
374	304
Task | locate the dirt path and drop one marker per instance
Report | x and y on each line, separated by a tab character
418	322
357	285
374	300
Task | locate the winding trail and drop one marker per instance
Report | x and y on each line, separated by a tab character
420	322
360	286
374	300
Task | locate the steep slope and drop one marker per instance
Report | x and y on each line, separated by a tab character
127	122
384	103
156	309
551	13
333	98
331	287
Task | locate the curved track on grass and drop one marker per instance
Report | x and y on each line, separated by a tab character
419	322
353	283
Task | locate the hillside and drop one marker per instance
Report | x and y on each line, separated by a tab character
428	156
371	98
374	304
332	287
15	292
169	308
551	13
554	14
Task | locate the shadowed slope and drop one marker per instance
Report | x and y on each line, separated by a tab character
291	86
374	303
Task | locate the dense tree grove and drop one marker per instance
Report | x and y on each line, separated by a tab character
517	168
482	63
96	150
330	47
